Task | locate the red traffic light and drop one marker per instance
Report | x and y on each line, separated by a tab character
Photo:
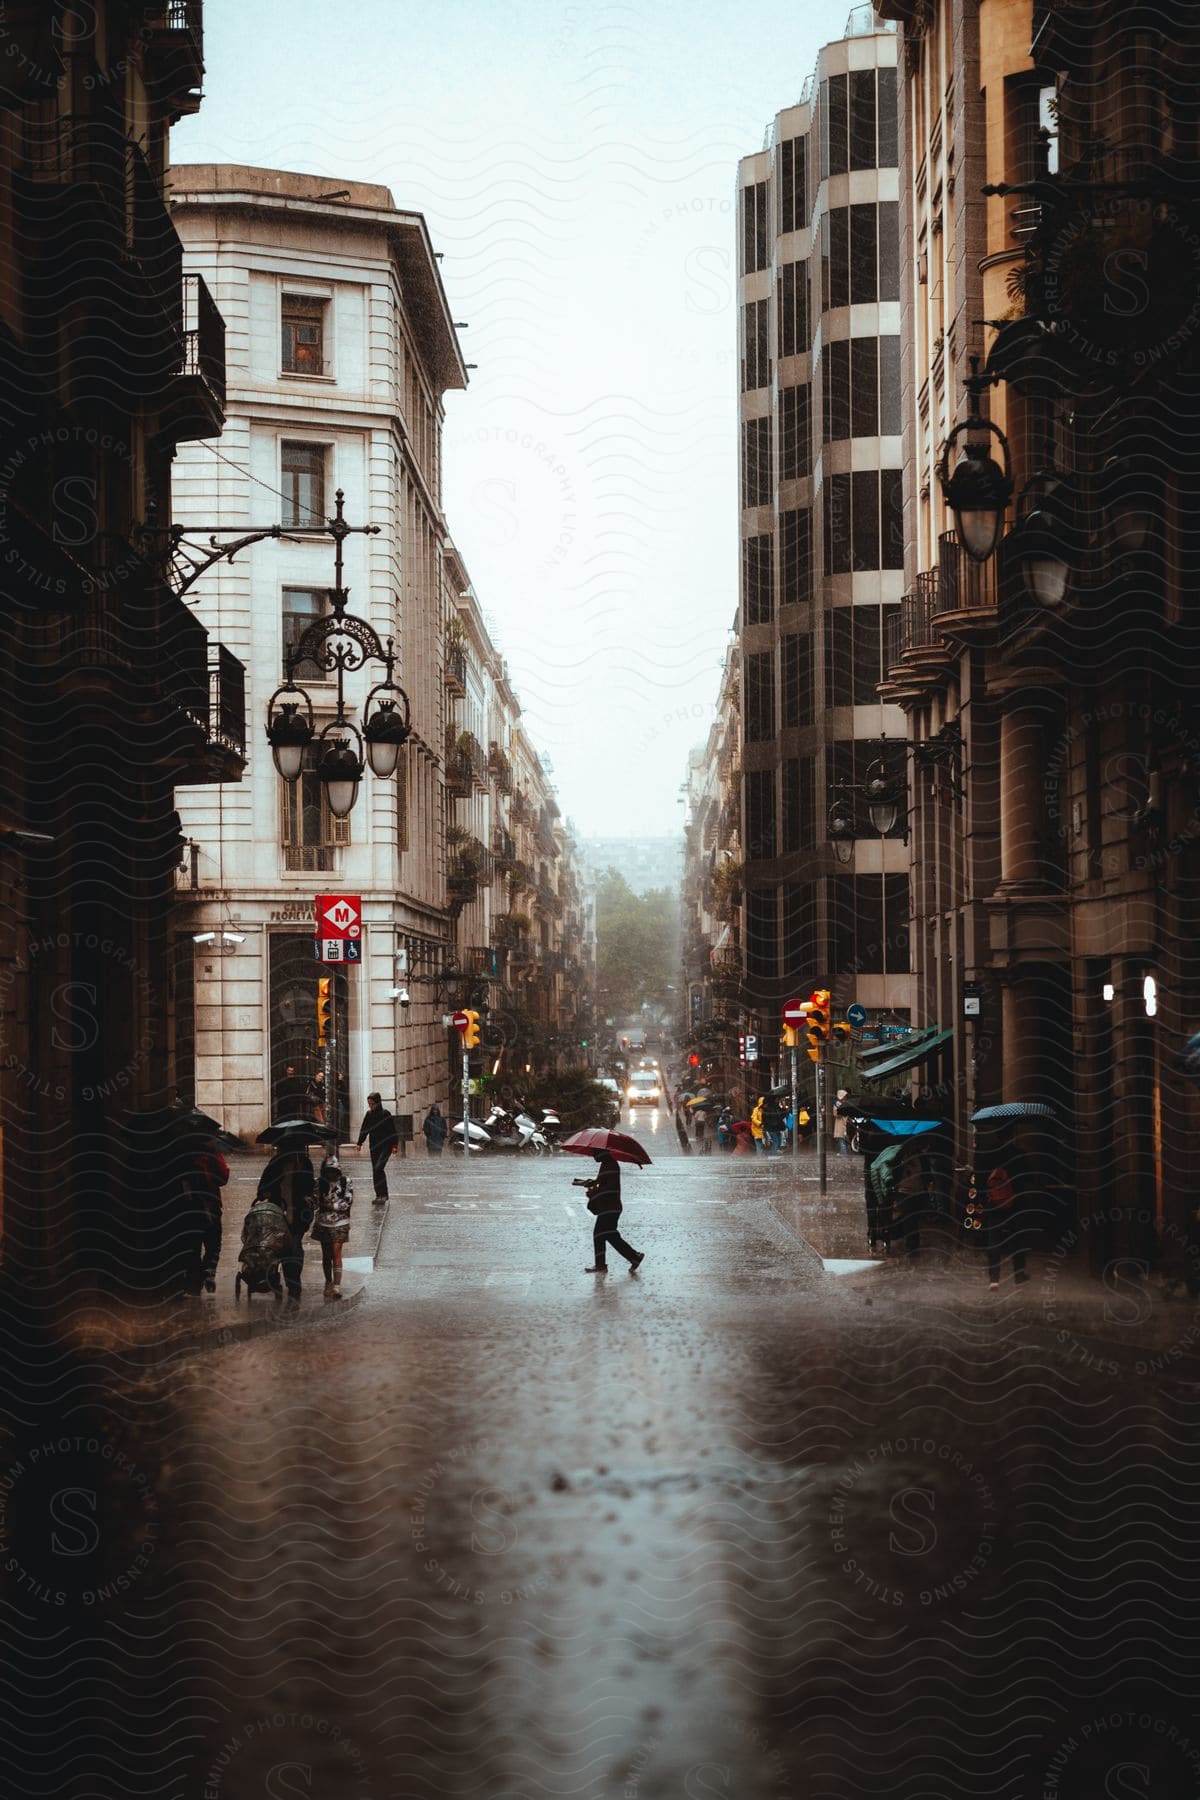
693	1061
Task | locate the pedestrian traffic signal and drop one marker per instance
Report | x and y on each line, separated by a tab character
324	1008
471	1034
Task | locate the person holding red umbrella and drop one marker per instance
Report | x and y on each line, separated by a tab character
604	1201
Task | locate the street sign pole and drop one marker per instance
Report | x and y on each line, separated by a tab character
820	1067
466	1086
331	1107
795	1106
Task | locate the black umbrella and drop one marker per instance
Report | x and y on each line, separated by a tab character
297	1131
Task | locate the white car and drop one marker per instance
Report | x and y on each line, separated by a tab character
643	1089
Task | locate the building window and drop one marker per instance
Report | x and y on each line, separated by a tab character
797	696
758	579
795	455
798	805
760	815
301	608
854	653
311	835
834	97
862	119
795	557
801	961
886	118
793	309
864	523
756	357
755	236
868	924
760	697
762	947
861	388
302	479
860	254
793	184
756	462
303	330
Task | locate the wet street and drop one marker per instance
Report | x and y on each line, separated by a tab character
761	1520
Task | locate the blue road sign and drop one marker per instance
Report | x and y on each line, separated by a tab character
856	1015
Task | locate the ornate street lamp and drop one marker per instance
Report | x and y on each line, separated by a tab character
1046	541
841	832
338	644
979	490
885	797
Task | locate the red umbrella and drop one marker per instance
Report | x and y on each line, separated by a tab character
615	1143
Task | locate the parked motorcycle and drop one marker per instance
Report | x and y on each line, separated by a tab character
547	1121
503	1131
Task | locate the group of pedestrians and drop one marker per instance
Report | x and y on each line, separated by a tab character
910	1182
312	1202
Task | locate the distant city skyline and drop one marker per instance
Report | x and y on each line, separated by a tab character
591	480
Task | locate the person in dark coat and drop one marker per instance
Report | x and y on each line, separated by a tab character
315	1097
380	1128
434	1127
290	1182
1006	1177
211	1172
772	1123
604	1201
291	1092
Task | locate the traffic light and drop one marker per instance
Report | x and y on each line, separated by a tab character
790	1038
841	1029
324	1008
693	1061
471	1034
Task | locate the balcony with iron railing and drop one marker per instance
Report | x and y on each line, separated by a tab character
504	851
195	403
500	769
549	904
454	670
544	835
174	55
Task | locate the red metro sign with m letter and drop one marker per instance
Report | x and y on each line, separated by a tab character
337	927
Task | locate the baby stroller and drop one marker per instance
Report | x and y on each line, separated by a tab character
264	1240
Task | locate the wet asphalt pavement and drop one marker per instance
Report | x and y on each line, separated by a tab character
748	1523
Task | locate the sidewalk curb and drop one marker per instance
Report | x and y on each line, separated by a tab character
257	1321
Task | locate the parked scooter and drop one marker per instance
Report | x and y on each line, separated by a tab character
547	1121
502	1130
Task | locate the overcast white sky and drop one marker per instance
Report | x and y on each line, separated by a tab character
577	166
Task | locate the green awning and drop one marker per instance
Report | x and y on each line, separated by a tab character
874	1053
909	1057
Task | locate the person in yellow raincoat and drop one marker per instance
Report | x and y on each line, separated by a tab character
756	1126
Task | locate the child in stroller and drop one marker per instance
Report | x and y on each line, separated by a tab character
275	1225
265	1237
